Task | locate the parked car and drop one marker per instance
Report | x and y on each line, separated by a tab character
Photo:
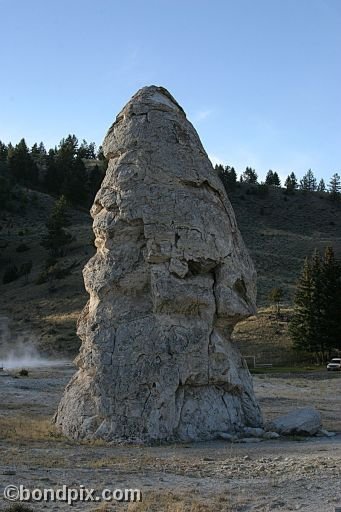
335	364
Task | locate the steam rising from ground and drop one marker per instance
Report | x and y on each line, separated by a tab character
19	351
23	355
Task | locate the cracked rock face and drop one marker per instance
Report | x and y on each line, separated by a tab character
170	279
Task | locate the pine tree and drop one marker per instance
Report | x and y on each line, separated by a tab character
86	150
249	176
228	176
21	164
315	326
291	183
95	178
308	182
34	150
41	148
38	155
74	186
300	327
334	187
293	180
269	177
331	294
275	296
305	327
54	174
3	151
232	177
68	147
317	306
276	181
3	167
289	186
321	187
66	173
312	183
57	237
100	154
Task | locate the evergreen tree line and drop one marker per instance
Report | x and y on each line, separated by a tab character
316	325
58	171
61	171
308	183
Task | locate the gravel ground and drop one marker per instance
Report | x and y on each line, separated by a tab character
282	475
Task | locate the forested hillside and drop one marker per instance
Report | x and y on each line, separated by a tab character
41	288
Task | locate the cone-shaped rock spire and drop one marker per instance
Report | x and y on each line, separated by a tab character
170	279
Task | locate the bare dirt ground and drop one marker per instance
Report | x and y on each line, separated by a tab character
281	475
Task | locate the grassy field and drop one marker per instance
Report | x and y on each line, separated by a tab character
264	340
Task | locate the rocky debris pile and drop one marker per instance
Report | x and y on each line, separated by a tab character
278	466
301	422
249	435
252	465
170	279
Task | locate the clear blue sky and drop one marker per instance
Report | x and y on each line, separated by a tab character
259	79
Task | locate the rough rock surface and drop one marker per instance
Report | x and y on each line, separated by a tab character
306	421
170	279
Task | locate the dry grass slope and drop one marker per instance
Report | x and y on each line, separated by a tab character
279	231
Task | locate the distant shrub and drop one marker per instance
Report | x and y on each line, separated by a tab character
25	269
57	237
53	272
4	260
50	262
262	190
42	278
34	198
22	247
11	274
52	289
23	372
5	191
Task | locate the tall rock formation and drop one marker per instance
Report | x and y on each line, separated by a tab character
170	279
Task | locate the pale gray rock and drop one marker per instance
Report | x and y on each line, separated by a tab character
271	435
170	279
325	433
305	421
253	431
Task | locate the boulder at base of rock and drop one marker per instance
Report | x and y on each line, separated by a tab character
306	421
